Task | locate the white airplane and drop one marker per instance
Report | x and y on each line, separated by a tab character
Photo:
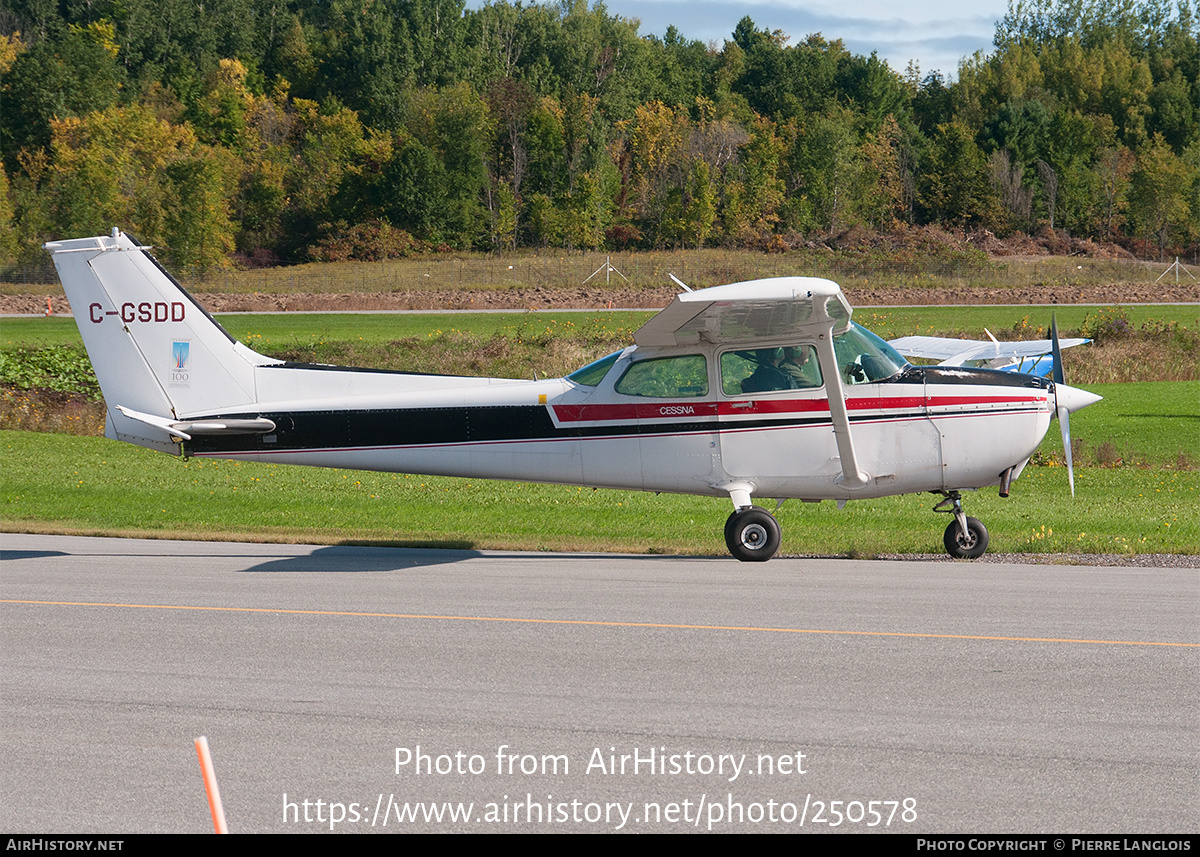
764	388
1026	356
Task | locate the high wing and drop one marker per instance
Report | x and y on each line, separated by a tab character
757	311
1009	356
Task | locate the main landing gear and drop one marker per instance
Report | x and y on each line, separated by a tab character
965	538
752	534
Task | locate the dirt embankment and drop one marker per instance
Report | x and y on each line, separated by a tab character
583	298
902	242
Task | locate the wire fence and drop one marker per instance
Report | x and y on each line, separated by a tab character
698	269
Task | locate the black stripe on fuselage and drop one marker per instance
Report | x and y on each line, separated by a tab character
355	429
346	429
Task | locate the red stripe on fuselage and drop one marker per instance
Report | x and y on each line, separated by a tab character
946	401
634	411
629	412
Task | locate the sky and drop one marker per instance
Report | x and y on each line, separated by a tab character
934	33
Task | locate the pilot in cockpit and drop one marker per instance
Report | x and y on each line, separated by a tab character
801	369
767	375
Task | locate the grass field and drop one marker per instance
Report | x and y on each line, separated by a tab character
62	484
285	329
1152	424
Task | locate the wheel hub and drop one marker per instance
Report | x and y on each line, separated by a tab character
754	536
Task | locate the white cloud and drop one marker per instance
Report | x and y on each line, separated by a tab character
936	34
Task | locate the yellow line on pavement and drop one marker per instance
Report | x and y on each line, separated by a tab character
601	623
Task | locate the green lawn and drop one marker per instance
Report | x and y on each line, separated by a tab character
57	483
1147	424
264	331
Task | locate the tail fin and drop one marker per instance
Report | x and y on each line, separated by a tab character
156	352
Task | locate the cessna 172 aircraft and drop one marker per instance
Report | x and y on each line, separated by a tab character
760	388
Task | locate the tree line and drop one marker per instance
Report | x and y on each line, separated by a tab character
332	129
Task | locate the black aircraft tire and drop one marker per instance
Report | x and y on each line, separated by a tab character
752	535
971	547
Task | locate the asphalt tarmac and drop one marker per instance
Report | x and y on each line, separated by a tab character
389	690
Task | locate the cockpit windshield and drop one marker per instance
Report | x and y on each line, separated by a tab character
864	358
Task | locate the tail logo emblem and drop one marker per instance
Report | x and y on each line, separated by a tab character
180	351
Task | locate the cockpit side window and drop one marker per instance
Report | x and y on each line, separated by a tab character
666	377
791	367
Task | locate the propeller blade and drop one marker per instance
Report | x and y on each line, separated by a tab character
1066	399
1064	422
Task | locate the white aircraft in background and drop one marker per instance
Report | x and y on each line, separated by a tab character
1026	356
760	388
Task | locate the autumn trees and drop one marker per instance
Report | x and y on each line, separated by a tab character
275	128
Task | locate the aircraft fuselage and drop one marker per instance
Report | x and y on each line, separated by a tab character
929	429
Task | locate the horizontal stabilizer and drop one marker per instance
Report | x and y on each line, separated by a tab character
187	428
260	425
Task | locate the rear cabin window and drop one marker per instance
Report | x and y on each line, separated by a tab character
666	378
593	373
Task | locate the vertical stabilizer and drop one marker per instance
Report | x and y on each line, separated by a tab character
154	350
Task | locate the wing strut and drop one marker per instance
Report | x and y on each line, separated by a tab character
852	477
